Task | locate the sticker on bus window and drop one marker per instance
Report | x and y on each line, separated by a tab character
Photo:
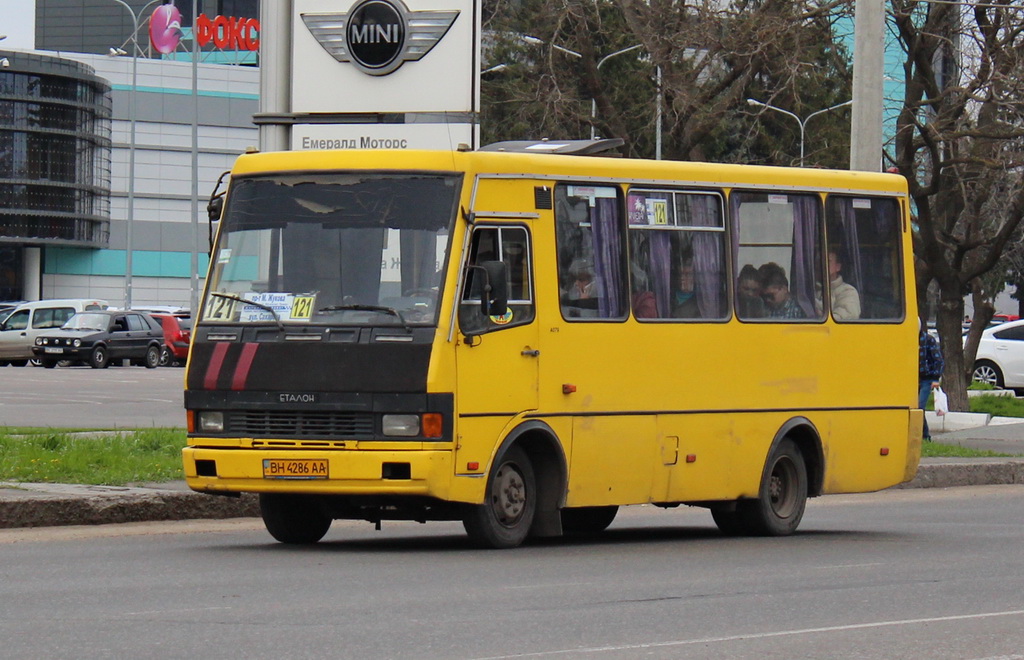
657	211
504	319
302	307
219	309
224	256
778	199
862	203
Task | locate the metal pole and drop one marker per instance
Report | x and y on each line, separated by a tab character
130	216
868	70
194	288
593	101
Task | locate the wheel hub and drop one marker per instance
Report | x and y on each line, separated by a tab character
509	495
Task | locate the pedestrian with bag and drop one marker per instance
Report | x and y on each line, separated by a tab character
929	370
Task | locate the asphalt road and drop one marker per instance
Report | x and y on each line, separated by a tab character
80	397
932	573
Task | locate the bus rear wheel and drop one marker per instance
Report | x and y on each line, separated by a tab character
293	519
588	519
505	517
781	499
780	504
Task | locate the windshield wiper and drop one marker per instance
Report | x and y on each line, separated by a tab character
369	308
266	308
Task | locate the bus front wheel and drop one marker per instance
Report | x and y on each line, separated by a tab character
293	519
505	517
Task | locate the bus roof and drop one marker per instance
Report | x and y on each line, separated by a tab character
555	166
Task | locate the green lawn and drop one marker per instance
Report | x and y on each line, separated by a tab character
103	458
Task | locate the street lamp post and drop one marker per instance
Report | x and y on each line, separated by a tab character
801	122
593	101
130	217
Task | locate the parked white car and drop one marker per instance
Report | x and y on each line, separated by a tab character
19	330
1000	359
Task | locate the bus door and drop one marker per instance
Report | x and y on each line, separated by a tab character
496	356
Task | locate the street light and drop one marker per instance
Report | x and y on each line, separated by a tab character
801	122
130	218
593	101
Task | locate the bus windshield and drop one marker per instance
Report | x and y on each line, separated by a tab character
333	248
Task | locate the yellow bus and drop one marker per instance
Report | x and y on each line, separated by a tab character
528	336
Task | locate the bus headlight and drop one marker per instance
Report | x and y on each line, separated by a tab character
211	421
401	425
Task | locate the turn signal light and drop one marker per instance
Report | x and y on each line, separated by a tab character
884	451
432	425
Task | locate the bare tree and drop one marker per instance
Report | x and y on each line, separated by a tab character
565	57
958	142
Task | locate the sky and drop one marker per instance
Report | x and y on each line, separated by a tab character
17	21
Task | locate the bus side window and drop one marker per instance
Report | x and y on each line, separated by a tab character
511	246
590	246
777	249
864	234
677	255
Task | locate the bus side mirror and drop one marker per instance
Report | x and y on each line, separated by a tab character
214	208
494	300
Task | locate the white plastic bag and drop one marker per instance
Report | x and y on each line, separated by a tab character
941	402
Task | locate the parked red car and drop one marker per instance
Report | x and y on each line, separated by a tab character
177	335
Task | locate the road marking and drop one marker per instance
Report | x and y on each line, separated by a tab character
754	636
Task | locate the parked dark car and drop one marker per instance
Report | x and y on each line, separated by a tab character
177	335
99	337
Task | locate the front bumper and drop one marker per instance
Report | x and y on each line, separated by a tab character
350	472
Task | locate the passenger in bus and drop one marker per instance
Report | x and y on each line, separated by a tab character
684	297
845	298
581	286
749	303
579	299
777	299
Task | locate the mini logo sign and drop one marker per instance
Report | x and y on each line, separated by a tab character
378	36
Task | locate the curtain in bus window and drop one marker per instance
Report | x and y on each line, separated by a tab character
806	274
707	255
608	251
847	241
419	261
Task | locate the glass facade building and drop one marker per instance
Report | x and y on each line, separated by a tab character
55	149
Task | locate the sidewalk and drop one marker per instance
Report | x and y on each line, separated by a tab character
47	505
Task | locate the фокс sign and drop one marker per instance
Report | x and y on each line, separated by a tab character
379	36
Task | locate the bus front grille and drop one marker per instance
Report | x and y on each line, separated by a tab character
299	424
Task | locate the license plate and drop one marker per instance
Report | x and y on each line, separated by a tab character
53	350
299	468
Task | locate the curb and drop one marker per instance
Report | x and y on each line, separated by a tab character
62	505
948	475
59	510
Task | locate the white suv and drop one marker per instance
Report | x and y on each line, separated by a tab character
19	330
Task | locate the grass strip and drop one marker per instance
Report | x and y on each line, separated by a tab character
108	458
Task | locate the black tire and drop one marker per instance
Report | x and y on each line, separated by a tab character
19	363
36	362
152	360
48	364
293	519
783	494
166	357
505	517
99	358
588	519
986	371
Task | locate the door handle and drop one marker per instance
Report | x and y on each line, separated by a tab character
528	352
